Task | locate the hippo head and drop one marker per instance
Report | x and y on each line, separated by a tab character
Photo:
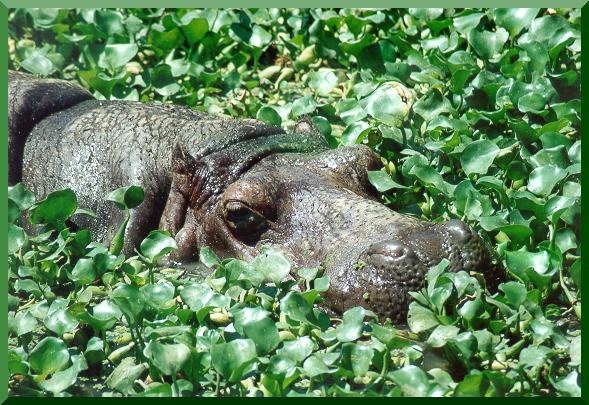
320	209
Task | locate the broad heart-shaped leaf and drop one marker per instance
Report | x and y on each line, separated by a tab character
514	19
168	358
233	358
16	238
515	293
420	318
130	301
269	116
569	385
518	262
48	356
412	380
556	206
272	264
56	208
157	244
260	37
207	257
126	197
117	55
160	295
60	321
432	105
316	365
62	380
543	179
257	325
199	295
297	350
194	29
382	181
103	316
357	358
386	105
25	199
84	272
295	307
487	43
38	64
478	156
108	21
163	82
353	324
441	334
322	81
123	377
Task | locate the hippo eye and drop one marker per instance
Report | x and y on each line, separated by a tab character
243	220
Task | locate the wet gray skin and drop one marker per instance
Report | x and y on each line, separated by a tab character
237	185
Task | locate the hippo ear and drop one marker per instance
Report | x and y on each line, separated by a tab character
31	99
306	126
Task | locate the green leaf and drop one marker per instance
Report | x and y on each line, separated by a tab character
297	350
117	55
382	181
487	44
432	105
21	196
543	179
421	319
269	116
322	81
272	264
519	262
260	37
108	21
412	380
38	64
55	209
84	271
167	358
163	81
160	295
514	19
441	334
232	359
261	329
62	380
123	377
48	356
353	324
194	29
357	358
16	238
60	321
515	293
157	244
208	257
478	156
386	105
130	300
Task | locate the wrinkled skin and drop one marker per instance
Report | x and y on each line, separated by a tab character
237	185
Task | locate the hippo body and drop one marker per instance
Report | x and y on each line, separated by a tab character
234	185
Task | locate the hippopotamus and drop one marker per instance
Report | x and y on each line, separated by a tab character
234	185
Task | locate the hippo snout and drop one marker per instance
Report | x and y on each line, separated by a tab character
399	264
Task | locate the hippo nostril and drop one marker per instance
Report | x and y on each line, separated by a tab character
459	230
390	249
